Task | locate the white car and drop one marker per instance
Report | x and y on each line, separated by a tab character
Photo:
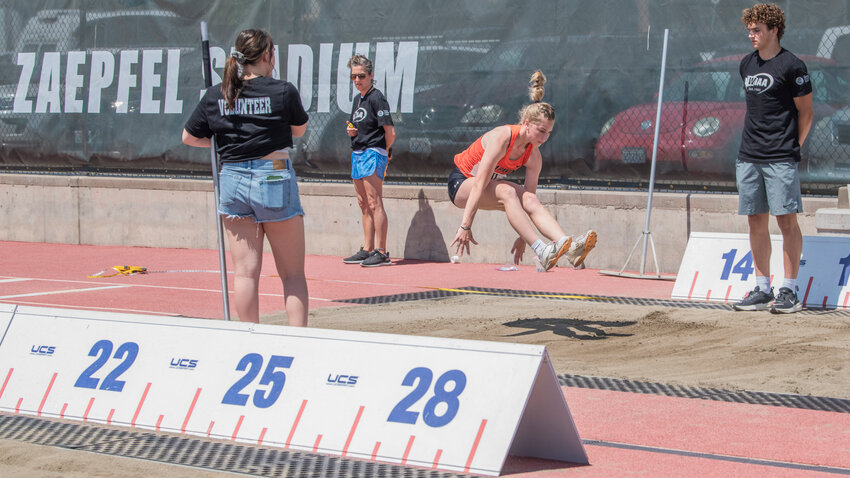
829	148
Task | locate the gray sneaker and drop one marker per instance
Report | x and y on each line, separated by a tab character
357	258
377	258
580	248
756	299
786	302
554	251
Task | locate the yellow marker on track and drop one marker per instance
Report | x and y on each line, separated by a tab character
120	270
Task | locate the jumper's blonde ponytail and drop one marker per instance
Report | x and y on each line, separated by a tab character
536	90
537	110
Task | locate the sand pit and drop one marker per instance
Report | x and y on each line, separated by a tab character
757	351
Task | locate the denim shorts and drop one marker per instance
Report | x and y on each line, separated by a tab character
368	162
768	187
255	189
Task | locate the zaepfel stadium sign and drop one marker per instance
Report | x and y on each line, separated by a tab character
78	81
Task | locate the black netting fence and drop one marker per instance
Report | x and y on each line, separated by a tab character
106	86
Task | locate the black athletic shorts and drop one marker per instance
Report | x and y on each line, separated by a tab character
455	179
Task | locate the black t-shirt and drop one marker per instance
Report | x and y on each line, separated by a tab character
259	123
369	115
770	126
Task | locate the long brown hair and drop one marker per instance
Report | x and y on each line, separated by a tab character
250	46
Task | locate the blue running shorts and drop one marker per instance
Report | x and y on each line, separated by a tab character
368	162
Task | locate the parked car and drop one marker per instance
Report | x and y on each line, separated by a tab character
479	90
492	91
489	94
18	129
481	95
326	148
10	29
829	148
702	119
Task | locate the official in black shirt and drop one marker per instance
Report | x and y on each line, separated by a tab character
372	133
254	118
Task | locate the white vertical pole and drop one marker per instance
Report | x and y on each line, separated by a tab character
646	236
646	233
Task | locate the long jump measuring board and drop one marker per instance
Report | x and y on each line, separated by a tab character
444	404
719	267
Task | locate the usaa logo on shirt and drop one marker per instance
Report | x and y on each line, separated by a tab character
758	83
359	115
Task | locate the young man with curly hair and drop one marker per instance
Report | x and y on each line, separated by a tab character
778	119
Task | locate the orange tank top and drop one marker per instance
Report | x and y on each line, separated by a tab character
467	161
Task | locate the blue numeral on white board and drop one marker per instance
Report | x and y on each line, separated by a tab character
422	376
102	349
743	267
845	261
272	376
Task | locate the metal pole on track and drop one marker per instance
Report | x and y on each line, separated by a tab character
646	236
225	299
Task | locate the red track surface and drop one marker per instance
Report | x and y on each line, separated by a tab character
625	433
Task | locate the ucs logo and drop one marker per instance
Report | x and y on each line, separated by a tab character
44	350
183	363
342	380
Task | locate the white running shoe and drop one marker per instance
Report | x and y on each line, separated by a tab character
554	251
580	248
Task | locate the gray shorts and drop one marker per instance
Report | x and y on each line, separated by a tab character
768	187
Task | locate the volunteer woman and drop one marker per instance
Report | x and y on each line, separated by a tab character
254	118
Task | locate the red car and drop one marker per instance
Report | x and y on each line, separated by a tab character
702	118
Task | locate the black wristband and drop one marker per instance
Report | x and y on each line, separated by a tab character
465	228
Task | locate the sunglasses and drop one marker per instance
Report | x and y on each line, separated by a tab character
362	76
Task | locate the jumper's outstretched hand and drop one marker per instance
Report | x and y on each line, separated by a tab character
462	239
518	250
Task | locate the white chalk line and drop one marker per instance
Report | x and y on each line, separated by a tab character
115	286
65	291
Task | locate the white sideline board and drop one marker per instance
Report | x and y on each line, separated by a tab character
6	312
445	404
719	267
